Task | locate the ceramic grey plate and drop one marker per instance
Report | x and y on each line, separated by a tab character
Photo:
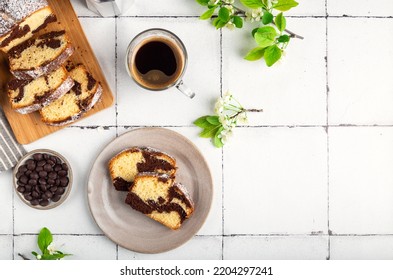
131	229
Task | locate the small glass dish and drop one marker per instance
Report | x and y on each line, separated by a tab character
49	187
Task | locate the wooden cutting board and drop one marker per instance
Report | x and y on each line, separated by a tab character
28	128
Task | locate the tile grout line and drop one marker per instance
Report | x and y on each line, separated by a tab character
287	16
13	225
116	112
222	159
327	128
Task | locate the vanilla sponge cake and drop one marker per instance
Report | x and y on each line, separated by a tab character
81	98
127	164
21	19
40	56
27	96
160	198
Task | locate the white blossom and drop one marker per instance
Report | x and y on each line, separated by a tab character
38	257
213	2
242	117
219	107
230	25
51	248
230	9
254	15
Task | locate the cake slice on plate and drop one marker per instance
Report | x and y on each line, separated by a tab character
81	98
27	96
40	56
21	19
160	198
127	164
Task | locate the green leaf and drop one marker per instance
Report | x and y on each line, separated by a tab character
203	2
54	256
272	55
35	254
208	14
265	36
223	14
213	120
267	18
209	132
202	122
216	140
218	23
283	39
254	31
238	21
281	22
253	4
255	54
285	5
44	239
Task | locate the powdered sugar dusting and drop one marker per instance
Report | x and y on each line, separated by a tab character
19	9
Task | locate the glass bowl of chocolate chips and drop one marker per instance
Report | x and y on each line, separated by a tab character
43	179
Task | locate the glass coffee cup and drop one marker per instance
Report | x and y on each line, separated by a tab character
156	60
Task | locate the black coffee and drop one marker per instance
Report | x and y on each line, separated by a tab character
157	63
156	56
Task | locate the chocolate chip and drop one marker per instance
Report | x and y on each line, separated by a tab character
18	174
41	163
56	198
22	169
23	179
28	172
32	182
34	202
21	189
28	188
51	162
38	156
60	190
44	202
28	197
39	168
64	166
43	174
35	194
48	194
48	167
58	167
52	175
34	175
53	189
63	173
64	181
46	156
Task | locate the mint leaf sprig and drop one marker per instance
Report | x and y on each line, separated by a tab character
272	36
47	247
219	127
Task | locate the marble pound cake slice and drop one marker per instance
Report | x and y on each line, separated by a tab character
127	164
27	96
160	198
80	99
21	19
40	56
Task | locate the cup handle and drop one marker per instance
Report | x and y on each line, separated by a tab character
185	89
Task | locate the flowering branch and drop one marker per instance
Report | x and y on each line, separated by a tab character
47	247
219	127
272	36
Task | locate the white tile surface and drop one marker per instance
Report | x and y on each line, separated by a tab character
200	247
275	181
7	187
276	248
6	247
81	247
213	224
360	7
292	92
80	147
361	247
361	179
360	80
137	106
